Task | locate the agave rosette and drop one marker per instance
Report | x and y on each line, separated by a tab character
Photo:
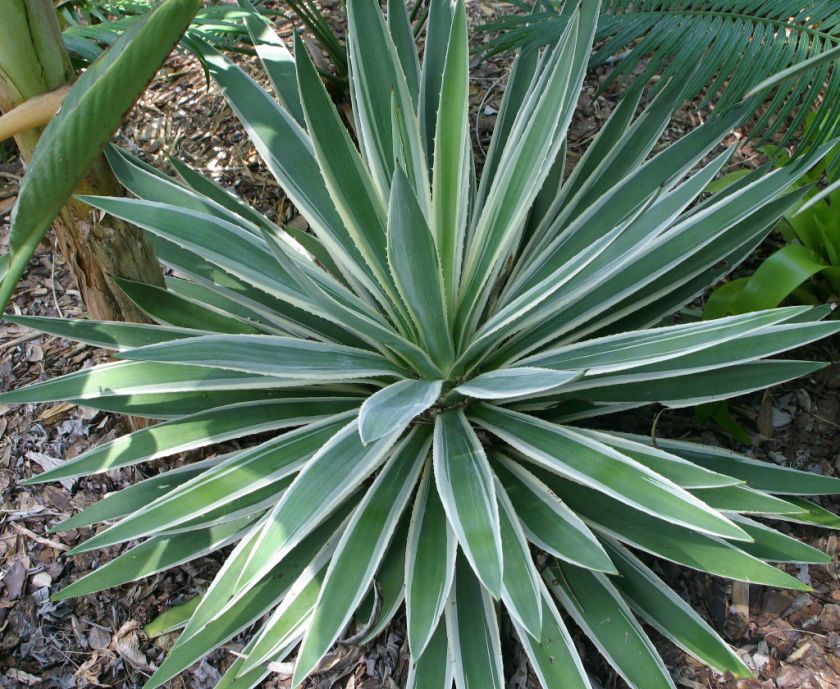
432	352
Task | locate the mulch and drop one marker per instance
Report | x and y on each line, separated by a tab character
791	641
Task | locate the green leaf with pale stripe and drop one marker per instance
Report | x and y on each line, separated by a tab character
395	406
567	453
601	612
198	430
429	565
658	605
465	486
361	548
473	632
515	382
270	355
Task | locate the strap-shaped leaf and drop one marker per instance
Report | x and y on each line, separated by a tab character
591	600
451	165
773	546
239	475
226	245
289	620
536	137
671	466
744	500
135	496
197	641
347	179
378	89
91	112
438	28
657	604
553	655
520	579
759	475
361	549
629	350
434	669
287	151
139	378
473	631
106	334
396	405
429	567
465	486
171	309
286	357
198	430
547	521
411	244
812	514
276	60
156	555
666	540
515	382
328	479
579	458
402	33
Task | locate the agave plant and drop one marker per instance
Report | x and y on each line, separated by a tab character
434	354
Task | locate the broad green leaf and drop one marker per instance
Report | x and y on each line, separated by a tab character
567	453
473	632
438	29
429	566
402	33
465	486
520	579
515	382
548	522
198	430
361	549
657	604
395	406
601	612
411	244
285	357
90	114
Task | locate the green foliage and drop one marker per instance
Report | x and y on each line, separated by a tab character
91	113
431	354
807	267
734	45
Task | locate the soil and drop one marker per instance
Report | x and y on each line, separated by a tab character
792	642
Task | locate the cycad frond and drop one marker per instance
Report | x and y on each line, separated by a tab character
735	43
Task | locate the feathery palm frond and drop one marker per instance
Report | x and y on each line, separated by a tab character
734	43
